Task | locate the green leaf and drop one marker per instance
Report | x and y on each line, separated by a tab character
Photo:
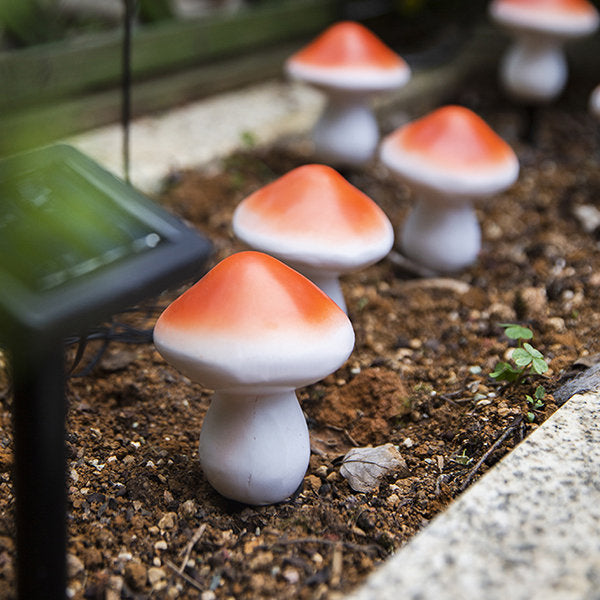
505	372
539	366
540	392
521	357
516	332
536	403
534	353
530	417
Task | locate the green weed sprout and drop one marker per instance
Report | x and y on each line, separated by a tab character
527	359
536	402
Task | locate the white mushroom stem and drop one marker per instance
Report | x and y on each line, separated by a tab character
534	69
346	132
255	449
442	235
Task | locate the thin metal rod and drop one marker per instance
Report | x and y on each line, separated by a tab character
39	413
126	84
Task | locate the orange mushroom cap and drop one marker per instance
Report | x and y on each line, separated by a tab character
312	216
253	321
349	56
451	150
561	17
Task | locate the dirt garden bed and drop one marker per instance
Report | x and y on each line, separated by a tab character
143	521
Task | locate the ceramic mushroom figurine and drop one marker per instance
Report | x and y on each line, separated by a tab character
254	329
350	64
534	70
449	157
318	223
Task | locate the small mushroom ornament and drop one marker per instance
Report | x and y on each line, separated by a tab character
534	69
253	329
449	157
350	64
318	223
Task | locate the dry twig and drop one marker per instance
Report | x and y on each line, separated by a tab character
190	545
510	429
193	582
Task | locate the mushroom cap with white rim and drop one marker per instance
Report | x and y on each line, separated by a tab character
451	152
348	56
562	18
313	217
253	323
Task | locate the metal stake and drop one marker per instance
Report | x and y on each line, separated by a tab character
39	412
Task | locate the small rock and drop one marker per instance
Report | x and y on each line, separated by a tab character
415	343
173	592
188	509
588	217
260	560
135	575
313	482
556	323
393	499
291	575
168	521
321	471
501	312
503	409
160	545
156	575
74	565
364	467
115	584
74	588
208	595
534	300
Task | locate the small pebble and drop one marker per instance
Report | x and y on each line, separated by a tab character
168	521
291	575
74	565
155	575
188	509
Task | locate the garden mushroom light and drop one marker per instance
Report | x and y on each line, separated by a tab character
253	329
534	69
349	64
316	222
450	157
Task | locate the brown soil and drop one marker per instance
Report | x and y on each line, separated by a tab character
143	521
